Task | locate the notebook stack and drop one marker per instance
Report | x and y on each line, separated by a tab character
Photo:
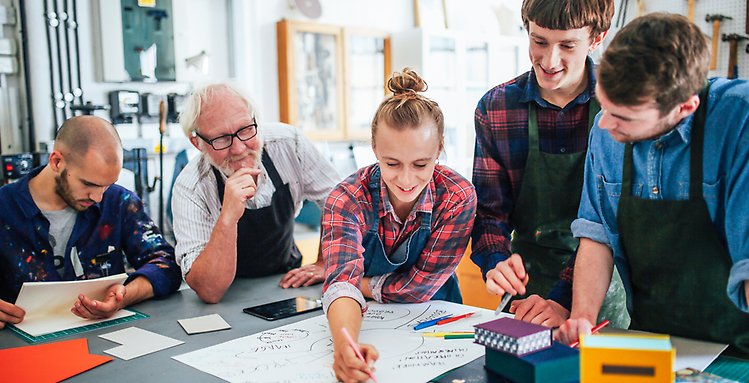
523	352
513	336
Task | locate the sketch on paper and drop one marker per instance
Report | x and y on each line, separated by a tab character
303	351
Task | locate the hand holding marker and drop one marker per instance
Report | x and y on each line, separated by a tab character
592	331
353	345
507	296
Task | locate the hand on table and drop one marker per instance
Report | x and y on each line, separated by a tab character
303	276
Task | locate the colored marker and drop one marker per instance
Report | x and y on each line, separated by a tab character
592	331
505	300
443	334
458	336
430	323
453	319
351	342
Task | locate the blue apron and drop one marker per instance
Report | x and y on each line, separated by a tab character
377	262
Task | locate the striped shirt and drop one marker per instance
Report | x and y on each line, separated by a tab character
348	216
195	200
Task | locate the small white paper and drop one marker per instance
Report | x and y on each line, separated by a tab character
695	353
48	304
206	323
137	342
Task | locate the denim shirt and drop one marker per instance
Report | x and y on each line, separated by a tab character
661	171
118	222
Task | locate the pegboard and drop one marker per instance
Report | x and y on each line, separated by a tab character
733	8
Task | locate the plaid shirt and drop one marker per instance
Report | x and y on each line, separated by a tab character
501	121
348	216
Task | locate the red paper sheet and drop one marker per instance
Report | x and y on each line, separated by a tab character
51	362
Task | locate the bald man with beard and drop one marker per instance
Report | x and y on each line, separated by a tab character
68	221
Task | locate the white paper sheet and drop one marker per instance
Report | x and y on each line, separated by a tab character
48	304
135	342
206	323
695	353
303	351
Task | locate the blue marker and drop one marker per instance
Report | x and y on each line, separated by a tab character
430	323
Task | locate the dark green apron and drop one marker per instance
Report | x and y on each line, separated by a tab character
548	203
679	265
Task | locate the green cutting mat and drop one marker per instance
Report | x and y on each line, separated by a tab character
730	368
42	338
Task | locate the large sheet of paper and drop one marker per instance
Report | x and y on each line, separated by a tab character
303	351
48	304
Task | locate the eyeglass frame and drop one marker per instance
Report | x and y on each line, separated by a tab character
231	136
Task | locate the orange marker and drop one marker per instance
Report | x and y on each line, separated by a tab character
592	331
453	319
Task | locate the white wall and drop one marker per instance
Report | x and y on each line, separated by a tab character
198	24
733	8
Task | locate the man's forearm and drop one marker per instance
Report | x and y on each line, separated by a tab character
139	289
215	268
593	269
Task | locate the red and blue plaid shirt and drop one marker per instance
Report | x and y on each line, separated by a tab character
501	152
348	216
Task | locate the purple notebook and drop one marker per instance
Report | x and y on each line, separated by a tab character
513	336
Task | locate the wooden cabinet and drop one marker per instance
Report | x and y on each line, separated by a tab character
331	78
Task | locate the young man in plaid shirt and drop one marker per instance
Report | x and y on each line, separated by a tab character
531	140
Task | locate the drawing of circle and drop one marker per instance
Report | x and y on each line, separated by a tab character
386	314
276	336
322	345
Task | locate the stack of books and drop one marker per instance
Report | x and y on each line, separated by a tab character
513	336
523	352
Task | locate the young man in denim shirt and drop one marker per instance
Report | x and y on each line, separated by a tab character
665	194
68	221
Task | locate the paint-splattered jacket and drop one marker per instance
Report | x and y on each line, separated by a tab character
118	222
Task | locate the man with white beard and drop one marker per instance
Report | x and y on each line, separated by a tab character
234	204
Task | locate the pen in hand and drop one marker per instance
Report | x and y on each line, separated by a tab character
592	331
503	303
507	296
353	345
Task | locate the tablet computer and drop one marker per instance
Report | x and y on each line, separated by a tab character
284	308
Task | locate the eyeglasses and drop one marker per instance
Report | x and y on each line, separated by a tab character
225	141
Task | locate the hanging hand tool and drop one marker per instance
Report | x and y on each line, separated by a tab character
733	41
690	10
162	130
621	18
716	20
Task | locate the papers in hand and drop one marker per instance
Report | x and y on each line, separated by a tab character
48	304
